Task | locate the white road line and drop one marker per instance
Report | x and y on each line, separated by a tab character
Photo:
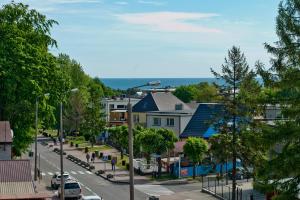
80	172
50	173
73	172
43	174
88	189
154	190
88	172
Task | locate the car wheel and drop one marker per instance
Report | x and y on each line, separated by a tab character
52	186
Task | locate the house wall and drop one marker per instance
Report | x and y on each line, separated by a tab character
142	119
175	128
183	122
5	154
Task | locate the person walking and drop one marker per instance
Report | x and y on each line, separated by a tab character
87	157
113	164
93	157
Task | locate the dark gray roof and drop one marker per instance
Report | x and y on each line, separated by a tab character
5	132
159	101
201	122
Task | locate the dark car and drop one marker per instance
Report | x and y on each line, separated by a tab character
241	173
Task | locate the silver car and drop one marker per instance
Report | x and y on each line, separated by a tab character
72	189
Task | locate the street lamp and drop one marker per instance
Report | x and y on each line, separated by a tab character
130	139
36	133
62	185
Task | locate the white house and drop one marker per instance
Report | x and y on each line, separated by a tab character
175	120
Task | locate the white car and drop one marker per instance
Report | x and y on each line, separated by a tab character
94	197
55	181
72	189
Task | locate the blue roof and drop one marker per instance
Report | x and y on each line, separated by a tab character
201	123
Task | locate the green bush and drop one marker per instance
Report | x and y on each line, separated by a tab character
86	136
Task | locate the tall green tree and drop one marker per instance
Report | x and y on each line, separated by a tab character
238	95
195	149
27	69
119	136
282	80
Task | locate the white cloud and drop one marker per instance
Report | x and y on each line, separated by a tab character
123	3
169	21
155	3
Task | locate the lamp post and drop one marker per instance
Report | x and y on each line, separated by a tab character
130	139
62	185
36	133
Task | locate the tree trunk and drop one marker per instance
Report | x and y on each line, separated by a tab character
159	166
226	168
221	170
194	170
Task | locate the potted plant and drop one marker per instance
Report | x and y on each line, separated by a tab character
71	144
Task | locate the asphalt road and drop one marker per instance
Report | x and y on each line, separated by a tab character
92	184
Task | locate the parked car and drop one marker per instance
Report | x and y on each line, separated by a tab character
241	173
72	189
94	197
55	181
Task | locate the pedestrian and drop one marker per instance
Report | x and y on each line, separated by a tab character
113	164
87	157
93	157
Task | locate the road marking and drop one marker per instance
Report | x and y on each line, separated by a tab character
73	172
154	190
88	172
50	173
80	172
88	189
43	174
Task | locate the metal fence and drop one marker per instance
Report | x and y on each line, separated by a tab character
223	190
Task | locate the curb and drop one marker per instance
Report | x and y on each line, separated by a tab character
114	181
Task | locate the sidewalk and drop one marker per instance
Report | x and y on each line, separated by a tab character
119	175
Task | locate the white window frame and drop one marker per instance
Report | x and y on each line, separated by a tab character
169	122
158	120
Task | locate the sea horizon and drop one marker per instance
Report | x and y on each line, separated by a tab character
125	83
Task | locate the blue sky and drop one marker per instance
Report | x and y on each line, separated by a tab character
159	38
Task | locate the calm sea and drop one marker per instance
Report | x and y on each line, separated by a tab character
125	83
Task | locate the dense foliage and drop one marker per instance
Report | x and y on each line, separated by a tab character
195	149
202	92
28	70
239	95
281	171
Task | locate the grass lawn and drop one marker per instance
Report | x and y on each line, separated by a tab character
52	132
119	161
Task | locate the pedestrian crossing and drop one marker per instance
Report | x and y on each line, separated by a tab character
71	173
153	190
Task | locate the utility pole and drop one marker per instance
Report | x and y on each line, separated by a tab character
130	148
234	135
62	185
35	139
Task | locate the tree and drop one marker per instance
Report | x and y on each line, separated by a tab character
169	139
27	70
282	80
119	136
195	149
202	92
220	148
185	93
94	120
238	94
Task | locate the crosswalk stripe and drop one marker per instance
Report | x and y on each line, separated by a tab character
88	172
73	172
80	172
50	173
43	174
154	190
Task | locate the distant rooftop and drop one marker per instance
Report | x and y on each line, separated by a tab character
160	101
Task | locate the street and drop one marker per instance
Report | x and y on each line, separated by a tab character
92	184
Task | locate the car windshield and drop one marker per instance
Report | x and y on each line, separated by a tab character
65	176
71	186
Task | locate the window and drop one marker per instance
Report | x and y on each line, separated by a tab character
111	106
136	118
170	121
156	121
121	106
